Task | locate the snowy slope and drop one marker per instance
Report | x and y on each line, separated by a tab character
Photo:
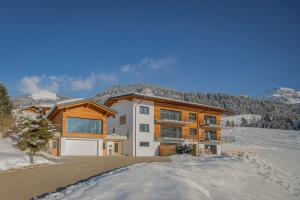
12	158
237	119
285	94
268	169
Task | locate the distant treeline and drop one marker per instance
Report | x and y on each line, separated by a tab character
275	114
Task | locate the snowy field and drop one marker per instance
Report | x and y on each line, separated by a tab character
12	158
264	164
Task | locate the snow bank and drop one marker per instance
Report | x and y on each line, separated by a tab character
12	158
274	154
187	177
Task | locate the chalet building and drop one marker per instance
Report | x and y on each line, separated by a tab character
156	124
35	110
80	129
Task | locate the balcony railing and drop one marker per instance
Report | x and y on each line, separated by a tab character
182	122
116	133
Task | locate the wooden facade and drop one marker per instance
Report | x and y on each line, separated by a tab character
185	108
82	110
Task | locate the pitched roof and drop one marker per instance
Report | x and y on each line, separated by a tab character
69	103
111	100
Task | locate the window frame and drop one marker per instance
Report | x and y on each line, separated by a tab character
210	117
144	125
100	121
143	108
176	115
144	142
194	134
122	119
194	114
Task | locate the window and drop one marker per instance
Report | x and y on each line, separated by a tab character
192	131
210	135
208	119
144	127
144	144
170	131
144	110
116	147
104	145
122	119
192	116
170	114
80	125
54	144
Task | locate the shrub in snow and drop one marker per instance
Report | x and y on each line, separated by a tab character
34	134
184	149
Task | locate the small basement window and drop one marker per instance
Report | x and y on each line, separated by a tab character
144	144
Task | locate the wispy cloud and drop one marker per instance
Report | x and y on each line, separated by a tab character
89	82
50	83
148	63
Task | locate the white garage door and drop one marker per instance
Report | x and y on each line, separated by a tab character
81	147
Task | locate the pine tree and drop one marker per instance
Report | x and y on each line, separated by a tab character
5	102
34	134
6	119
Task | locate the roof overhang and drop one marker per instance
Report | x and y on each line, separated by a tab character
131	96
87	102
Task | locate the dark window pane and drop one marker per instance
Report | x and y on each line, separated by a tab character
170	114
144	110
79	125
144	144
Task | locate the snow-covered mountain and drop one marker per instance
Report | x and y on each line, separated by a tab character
287	95
39	98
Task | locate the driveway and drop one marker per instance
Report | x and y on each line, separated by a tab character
32	182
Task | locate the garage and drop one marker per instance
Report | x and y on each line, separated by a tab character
80	147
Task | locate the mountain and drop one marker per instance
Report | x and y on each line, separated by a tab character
274	113
284	94
38	98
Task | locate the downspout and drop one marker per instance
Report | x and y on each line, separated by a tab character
135	123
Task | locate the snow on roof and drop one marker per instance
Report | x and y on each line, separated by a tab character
166	98
74	101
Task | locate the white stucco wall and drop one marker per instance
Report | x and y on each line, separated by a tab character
152	150
123	107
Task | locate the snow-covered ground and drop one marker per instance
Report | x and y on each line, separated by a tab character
267	168
12	158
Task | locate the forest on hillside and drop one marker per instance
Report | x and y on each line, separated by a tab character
275	113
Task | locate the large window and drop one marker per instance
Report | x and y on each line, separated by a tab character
170	131
170	114
144	110
210	119
144	127
79	125
210	135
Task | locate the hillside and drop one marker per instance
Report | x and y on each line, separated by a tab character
43	98
275	113
287	95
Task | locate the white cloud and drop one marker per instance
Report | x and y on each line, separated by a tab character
148	63
49	83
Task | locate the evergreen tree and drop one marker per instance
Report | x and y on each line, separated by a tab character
6	119
34	134
5	102
244	122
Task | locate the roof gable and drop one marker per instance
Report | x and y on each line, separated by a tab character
61	106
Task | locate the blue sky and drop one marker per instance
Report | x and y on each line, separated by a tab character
82	47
